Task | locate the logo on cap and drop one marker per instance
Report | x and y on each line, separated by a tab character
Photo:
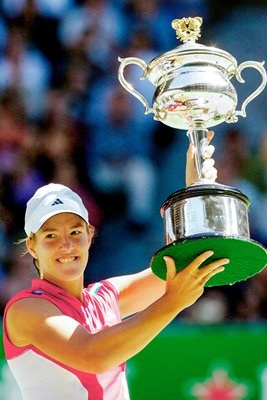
57	201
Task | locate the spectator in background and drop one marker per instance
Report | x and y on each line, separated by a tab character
250	18
78	80
3	34
48	8
119	156
25	180
15	132
18	275
258	175
97	28
66	173
263	159
39	21
58	151
151	15
57	136
16	136
232	167
26	69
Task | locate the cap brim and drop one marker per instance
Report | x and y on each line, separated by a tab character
38	224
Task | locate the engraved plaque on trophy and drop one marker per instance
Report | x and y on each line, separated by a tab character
194	92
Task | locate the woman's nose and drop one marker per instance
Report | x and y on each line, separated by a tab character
67	242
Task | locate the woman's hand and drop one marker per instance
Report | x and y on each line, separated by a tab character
208	170
185	287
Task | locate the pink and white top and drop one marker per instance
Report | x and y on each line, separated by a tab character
41	377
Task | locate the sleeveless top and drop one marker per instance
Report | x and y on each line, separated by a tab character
41	377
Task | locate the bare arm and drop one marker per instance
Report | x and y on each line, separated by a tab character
137	291
37	322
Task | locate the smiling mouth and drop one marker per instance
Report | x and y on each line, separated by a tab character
65	260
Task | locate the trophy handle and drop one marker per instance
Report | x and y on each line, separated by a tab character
133	60
259	67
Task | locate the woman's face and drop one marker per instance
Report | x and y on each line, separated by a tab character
61	247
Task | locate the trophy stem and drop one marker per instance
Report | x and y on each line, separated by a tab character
199	138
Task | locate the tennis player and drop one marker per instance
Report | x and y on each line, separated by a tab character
64	341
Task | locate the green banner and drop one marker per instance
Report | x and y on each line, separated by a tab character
187	362
202	363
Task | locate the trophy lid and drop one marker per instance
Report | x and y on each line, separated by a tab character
188	31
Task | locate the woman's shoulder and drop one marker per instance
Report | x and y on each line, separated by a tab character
24	299
25	314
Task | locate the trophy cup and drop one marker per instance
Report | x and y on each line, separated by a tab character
193	93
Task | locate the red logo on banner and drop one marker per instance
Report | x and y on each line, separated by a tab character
219	387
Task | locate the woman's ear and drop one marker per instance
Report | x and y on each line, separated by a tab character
31	247
91	233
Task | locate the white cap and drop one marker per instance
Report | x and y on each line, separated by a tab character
50	200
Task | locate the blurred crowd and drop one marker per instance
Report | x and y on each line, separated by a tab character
65	118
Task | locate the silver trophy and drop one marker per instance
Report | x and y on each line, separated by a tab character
193	93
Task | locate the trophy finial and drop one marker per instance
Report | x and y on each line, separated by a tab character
187	28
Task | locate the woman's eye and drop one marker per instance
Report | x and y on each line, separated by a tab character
50	235
75	232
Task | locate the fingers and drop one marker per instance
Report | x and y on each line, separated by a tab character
207	151
207	164
171	268
208	170
211	269
211	274
211	174
195	264
210	136
205	273
192	275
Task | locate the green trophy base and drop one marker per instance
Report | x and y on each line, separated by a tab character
247	257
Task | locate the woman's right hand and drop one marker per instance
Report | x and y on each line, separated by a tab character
185	287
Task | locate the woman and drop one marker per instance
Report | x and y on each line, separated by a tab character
64	341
